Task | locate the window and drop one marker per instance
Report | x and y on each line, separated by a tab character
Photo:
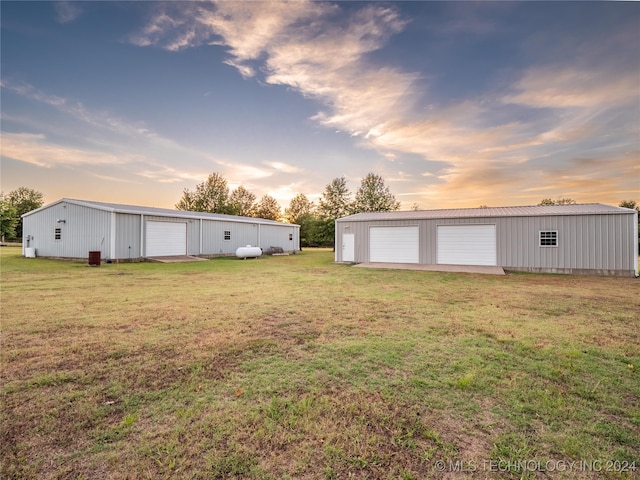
58	234
549	238
227	234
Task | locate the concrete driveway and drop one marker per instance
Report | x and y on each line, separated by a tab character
489	270
176	258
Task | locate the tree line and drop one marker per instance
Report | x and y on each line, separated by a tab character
317	227
12	206
316	221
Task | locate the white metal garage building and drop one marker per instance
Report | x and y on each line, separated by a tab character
587	238
72	228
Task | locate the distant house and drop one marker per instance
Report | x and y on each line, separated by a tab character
588	238
72	228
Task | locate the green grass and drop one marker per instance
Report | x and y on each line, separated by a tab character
295	367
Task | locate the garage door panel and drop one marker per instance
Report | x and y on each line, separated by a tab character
466	244
166	238
394	244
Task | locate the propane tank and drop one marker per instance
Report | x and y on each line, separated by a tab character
248	252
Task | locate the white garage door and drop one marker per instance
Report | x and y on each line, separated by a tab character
166	238
394	244
467	244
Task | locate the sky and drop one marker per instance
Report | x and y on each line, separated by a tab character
453	104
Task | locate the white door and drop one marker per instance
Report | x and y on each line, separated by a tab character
348	247
394	244
466	244
166	238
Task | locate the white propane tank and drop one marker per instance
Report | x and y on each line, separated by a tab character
248	252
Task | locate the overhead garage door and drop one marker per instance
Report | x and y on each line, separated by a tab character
467	244
166	238
394	244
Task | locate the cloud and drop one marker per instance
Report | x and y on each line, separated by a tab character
315	48
246	173
283	167
251	29
587	173
108	132
77	110
111	141
565	86
176	19
35	149
67	12
554	111
31	92
166	174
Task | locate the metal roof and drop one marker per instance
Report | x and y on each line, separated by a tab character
525	211
160	212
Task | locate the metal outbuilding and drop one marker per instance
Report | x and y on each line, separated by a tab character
584	238
71	228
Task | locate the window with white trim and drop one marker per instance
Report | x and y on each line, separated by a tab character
227	234
548	238
57	234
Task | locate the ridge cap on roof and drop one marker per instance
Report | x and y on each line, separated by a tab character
516	210
128	208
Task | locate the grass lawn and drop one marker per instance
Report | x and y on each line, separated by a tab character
297	368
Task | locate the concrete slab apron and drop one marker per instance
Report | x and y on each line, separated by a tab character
489	270
176	258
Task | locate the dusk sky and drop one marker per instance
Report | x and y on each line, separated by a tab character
454	104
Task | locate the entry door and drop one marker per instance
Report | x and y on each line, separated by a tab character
348	247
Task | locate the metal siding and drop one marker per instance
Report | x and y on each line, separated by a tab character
89	227
127	236
85	229
213	242
296	238
597	224
636	239
278	236
604	243
428	241
585	242
193	237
